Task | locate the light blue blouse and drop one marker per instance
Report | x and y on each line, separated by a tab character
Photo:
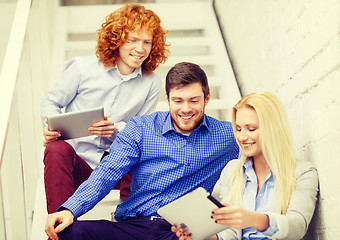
259	202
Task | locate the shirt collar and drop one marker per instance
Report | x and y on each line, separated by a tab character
168	125
248	169
134	74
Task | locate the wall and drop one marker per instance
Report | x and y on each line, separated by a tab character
292	48
7	10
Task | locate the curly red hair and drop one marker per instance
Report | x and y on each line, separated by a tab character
119	23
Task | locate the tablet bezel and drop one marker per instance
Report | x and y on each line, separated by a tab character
75	124
193	212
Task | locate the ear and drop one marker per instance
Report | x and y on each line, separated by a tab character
206	100
167	98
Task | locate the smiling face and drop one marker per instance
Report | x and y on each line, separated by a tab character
187	105
133	52
248	132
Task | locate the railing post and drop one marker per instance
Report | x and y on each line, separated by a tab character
13	180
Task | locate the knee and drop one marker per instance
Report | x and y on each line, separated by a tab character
57	151
74	231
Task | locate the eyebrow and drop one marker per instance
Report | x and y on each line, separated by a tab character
137	38
248	125
174	97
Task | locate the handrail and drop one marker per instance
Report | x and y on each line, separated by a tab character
225	43
10	67
8	80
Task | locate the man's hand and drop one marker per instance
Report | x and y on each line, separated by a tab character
103	128
183	235
57	222
180	233
50	136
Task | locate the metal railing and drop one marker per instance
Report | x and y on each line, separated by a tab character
25	66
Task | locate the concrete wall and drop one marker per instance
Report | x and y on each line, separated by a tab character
292	48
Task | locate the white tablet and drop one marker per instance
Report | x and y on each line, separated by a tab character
193	212
74	124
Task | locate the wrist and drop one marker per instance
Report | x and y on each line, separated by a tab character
260	221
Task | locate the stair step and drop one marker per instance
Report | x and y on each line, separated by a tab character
87	19
200	60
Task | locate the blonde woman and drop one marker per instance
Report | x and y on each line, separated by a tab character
267	193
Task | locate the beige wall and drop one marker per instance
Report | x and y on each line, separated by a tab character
292	48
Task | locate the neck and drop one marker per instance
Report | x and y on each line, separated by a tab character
260	165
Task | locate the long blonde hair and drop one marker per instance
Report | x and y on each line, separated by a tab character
276	143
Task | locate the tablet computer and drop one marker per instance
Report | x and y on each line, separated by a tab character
193	212
74	124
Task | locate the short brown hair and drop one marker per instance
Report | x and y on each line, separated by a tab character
185	73
119	23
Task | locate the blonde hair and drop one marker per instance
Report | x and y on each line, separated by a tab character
276	143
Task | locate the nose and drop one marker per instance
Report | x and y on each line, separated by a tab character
242	136
139	46
186	107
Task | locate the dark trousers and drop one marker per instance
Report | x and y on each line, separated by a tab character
132	229
64	171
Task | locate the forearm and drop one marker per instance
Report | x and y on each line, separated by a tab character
214	237
260	221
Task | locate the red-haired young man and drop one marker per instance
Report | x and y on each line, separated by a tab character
119	77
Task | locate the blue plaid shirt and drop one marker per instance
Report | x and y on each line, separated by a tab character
165	164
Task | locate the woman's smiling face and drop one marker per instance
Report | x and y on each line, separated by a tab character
248	132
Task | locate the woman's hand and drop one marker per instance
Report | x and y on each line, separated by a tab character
240	218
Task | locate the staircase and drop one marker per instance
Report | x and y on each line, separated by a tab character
194	39
194	36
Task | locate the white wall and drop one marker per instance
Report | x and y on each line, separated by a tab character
292	48
7	10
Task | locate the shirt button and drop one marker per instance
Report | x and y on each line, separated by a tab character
169	196
189	141
188	164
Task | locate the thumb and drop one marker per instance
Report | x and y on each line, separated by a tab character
61	227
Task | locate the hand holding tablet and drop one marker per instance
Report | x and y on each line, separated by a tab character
75	124
193	212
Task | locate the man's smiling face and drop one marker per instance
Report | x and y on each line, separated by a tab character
187	104
136	49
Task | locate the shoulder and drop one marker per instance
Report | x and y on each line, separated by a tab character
84	63
153	79
217	125
306	173
222	132
139	127
147	121
230	167
303	167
